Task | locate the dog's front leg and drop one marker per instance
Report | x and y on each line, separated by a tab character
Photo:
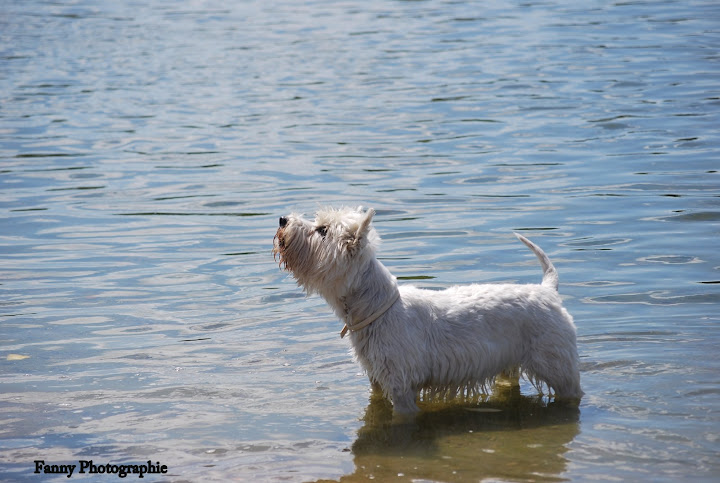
375	386
404	401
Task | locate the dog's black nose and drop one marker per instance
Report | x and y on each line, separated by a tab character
283	221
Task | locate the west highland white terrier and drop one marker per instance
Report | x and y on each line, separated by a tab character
444	342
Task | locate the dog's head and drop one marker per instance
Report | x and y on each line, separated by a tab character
326	254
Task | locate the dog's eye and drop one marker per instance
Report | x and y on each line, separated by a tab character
322	230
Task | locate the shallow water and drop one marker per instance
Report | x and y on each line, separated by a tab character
147	150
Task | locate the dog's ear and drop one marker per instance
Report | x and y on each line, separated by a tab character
365	224
362	230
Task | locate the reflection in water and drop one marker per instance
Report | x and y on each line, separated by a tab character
507	436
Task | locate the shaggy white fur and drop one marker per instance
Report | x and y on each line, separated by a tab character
444	342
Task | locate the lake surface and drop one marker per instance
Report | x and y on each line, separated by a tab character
147	150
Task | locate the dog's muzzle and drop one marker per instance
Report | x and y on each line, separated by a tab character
283	221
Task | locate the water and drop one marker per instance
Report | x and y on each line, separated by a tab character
148	148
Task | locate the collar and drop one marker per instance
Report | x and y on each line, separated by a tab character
369	320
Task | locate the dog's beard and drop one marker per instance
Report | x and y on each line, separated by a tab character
297	252
290	252
279	254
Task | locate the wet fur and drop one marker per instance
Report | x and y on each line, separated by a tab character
444	342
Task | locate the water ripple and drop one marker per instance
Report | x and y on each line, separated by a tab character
147	150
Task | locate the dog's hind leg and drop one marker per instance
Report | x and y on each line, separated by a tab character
558	370
567	384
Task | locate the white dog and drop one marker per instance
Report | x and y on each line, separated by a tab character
409	339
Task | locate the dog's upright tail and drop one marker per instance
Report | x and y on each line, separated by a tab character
550	275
